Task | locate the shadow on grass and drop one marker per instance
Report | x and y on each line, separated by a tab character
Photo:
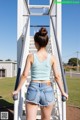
5	106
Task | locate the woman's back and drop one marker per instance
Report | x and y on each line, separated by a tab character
40	69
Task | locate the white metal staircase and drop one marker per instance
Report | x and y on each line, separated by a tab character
55	113
26	45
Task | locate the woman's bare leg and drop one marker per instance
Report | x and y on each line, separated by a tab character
46	112
31	111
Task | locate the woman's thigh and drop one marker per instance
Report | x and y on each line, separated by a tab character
31	111
46	112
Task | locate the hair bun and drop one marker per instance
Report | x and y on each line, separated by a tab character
43	32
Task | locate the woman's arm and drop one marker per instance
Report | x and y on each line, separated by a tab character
24	74
58	77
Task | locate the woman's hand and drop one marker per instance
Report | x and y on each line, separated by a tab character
65	95
14	93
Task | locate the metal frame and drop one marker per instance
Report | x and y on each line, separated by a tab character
61	66
36	14
39	15
51	7
39	6
39	26
25	1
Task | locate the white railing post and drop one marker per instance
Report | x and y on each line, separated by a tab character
63	110
58	29
59	37
16	110
19	39
22	50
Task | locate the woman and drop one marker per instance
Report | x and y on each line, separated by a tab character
40	90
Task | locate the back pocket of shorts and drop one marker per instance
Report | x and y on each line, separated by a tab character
31	93
48	95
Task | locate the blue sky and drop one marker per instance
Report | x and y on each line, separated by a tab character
8	29
8	44
70	31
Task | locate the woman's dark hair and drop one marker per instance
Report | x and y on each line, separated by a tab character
41	37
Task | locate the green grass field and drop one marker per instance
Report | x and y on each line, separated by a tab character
74	91
7	86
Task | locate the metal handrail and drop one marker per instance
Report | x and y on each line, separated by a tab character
51	6
27	6
60	61
15	97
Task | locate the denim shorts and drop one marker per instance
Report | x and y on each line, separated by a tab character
40	94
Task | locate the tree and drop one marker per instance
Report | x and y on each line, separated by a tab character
8	60
73	61
1	60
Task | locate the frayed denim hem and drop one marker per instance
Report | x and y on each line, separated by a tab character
40	104
47	104
32	102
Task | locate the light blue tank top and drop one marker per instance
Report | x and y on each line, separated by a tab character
40	70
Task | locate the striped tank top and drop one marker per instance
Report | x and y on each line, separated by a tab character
40	70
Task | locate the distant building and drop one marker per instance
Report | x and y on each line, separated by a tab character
8	68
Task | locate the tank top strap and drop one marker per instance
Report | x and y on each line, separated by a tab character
35	57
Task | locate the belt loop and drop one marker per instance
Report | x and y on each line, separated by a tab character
39	85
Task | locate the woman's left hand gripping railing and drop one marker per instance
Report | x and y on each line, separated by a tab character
15	96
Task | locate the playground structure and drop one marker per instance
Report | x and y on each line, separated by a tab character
25	45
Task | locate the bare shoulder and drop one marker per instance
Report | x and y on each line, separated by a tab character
30	57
